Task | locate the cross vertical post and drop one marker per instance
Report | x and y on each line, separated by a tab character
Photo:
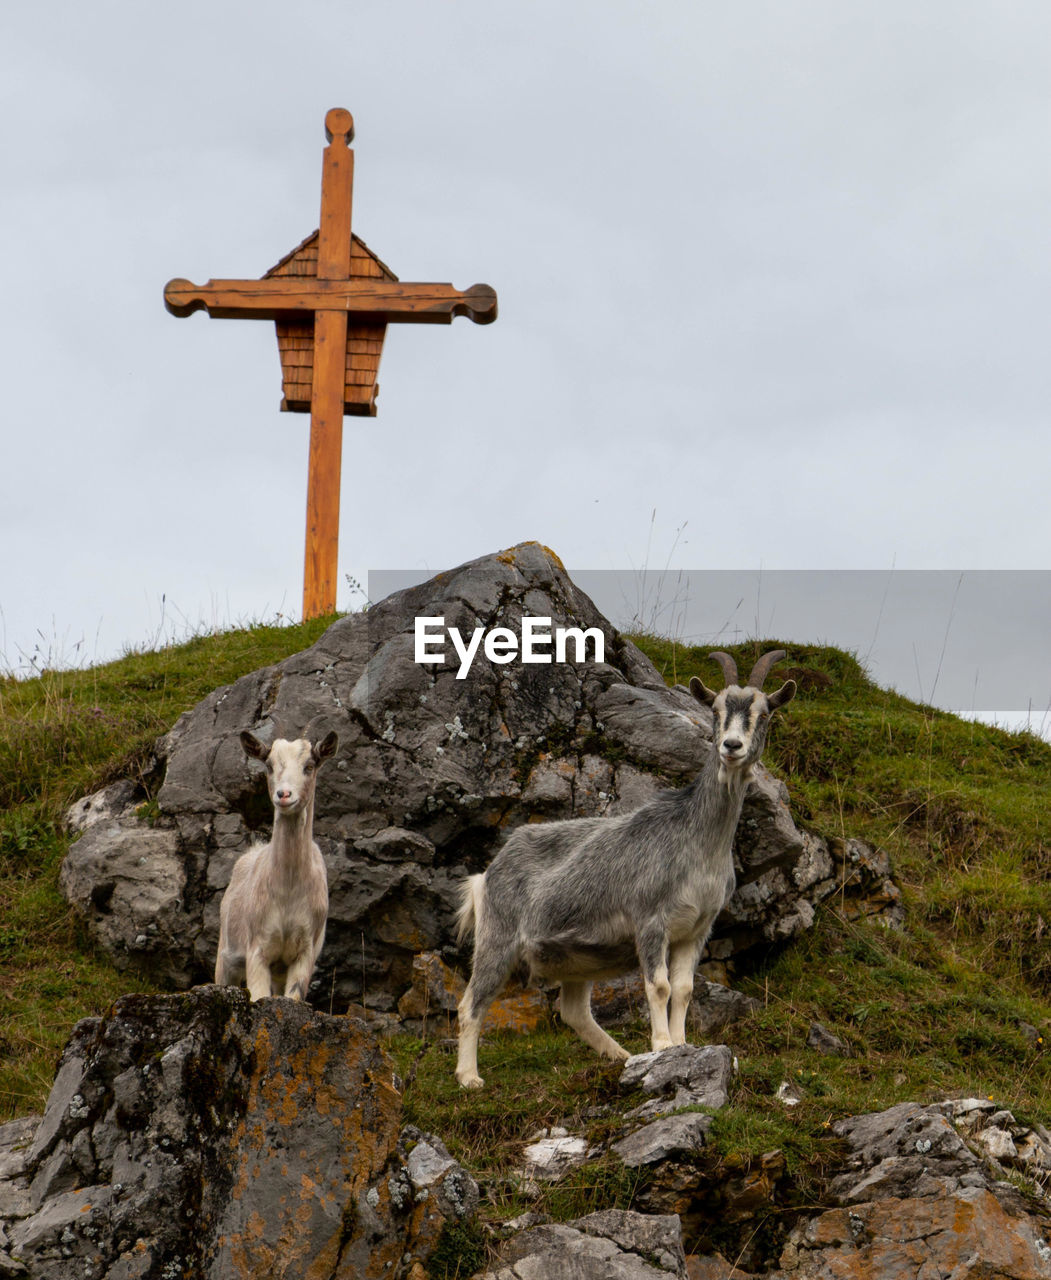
330	344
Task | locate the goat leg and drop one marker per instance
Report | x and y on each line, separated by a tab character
470	1025
297	980
257	974
575	1008
653	958
681	967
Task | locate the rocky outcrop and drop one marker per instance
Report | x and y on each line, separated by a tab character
204	1135
915	1201
913	1192
433	771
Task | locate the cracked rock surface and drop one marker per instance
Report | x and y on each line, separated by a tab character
685	1075
204	1135
614	1244
200	1134
916	1201
431	774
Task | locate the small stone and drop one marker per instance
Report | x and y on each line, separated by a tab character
705	1073
684	1134
997	1143
821	1039
551	1158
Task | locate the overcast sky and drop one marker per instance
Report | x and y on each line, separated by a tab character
777	273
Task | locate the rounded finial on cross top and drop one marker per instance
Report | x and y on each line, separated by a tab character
339	123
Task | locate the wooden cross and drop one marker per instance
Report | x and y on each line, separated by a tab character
332	299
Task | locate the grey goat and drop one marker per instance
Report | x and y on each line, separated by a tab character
273	914
590	898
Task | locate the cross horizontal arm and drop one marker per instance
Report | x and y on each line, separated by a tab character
383	301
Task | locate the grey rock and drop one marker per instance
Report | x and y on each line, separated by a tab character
993	1132
915	1201
787	1094
557	1252
432	773
998	1144
664	1139
129	881
610	1245
434	1176
892	1150
15	1202
820	1038
64	1228
203	1134
428	1161
684	1075
656	1237
59	1172
395	844
715	1007
110	803
969	1113
16	1139
65	1101
663	730
551	1158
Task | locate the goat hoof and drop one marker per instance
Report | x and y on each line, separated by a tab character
470	1082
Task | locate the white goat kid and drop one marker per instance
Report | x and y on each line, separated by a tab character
591	898
273	914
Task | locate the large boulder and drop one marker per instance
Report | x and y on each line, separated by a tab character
432	772
204	1135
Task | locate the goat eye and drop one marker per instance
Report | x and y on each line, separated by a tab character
308	767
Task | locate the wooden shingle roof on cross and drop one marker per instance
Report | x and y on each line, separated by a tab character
295	335
331	299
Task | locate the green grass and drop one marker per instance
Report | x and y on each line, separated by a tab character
533	1082
65	734
938	1009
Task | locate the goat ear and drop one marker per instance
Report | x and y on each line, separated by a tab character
701	692
252	745
780	696
326	747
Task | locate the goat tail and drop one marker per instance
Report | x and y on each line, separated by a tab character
472	896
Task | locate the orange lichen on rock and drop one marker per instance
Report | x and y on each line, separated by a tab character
436	990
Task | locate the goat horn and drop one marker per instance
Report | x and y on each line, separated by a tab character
727	664
762	668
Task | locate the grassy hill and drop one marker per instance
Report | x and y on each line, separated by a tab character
957	1003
